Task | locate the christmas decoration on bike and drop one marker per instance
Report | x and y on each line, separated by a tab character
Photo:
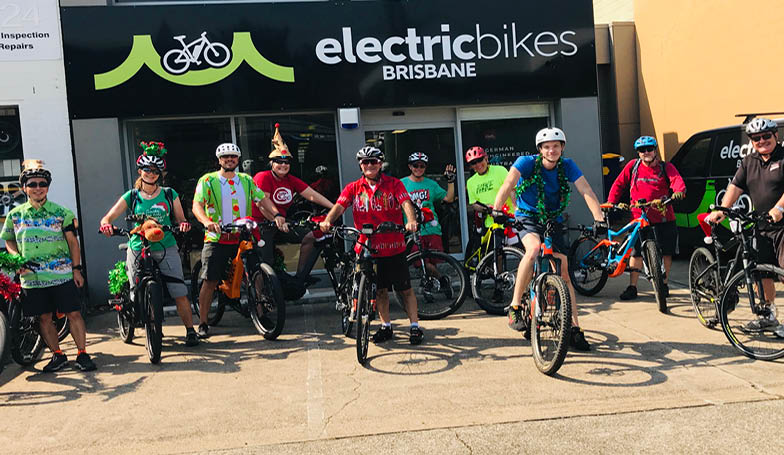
118	278
151	231
153	148
9	289
11	262
564	191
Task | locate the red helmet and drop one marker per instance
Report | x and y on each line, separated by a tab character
474	153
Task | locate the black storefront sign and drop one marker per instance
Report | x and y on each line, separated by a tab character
234	58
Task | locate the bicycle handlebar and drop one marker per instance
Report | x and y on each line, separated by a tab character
737	214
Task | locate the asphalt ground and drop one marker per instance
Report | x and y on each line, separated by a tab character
652	382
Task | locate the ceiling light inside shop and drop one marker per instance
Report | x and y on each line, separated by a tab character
399	131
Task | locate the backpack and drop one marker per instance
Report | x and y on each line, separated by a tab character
167	193
662	173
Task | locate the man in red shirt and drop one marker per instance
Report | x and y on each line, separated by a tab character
376	198
650	178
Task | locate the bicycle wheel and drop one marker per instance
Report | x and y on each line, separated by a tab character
4	344
586	269
363	319
218	305
552	324
125	319
265	302
494	280
655	270
26	342
345	301
153	319
704	283
754	329
438	294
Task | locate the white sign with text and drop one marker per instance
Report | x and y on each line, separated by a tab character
29	30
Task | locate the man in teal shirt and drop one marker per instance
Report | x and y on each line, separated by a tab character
45	233
423	192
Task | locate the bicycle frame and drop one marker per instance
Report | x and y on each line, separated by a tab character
491	241
616	263
542	267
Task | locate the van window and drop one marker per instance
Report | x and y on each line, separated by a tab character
692	159
730	148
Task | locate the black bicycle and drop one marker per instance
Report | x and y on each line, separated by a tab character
250	286
750	297
145	309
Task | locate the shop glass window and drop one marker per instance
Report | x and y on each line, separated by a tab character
692	159
11	156
439	145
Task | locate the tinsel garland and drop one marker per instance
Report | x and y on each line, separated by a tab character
11	262
153	148
9	290
279	261
564	191
118	278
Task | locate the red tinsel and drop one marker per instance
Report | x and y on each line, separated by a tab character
8	288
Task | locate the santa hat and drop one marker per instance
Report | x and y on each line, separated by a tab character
281	150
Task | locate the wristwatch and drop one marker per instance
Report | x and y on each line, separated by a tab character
77	267
279	215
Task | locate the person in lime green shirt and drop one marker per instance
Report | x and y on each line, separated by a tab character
223	197
484	184
163	204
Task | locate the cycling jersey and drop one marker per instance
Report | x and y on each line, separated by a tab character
374	206
280	189
649	184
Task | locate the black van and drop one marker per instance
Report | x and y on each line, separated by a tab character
707	162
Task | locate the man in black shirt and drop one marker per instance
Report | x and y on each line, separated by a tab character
761	176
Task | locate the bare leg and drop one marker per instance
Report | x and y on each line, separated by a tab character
48	332
531	242
667	265
382	305
410	303
572	295
184	310
205	299
636	263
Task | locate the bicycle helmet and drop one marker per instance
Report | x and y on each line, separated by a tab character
550	134
474	153
146	161
645	141
761	125
321	170
34	168
227	149
417	156
369	151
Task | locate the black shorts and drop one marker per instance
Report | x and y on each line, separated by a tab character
215	258
770	247
666	237
63	298
393	271
529	225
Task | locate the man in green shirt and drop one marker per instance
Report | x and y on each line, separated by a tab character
424	192
45	233
223	197
484	184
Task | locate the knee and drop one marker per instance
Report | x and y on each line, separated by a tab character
46	318
74	316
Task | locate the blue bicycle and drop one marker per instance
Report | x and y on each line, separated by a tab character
593	259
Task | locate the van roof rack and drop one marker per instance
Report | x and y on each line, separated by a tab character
750	116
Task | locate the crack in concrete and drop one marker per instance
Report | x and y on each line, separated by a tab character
465	444
356	393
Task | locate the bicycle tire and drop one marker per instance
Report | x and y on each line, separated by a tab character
552	324
736	313
63	327
704	290
653	259
493	291
4	337
26	342
218	305
433	301
267	295
363	320
153	319
346	324
125	320
586	272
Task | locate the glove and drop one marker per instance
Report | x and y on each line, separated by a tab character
622	206
678	195
450	177
600	228
499	217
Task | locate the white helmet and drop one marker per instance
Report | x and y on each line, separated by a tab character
761	125
227	149
550	134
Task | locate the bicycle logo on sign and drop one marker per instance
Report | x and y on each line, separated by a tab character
178	61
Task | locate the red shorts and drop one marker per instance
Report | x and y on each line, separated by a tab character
431	242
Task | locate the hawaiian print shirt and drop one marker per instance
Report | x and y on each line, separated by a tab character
209	193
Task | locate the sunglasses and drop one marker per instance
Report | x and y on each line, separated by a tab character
646	149
37	184
418	165
370	162
279	161
475	162
152	170
761	137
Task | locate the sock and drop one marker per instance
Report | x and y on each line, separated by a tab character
414	324
82	351
58	352
386	325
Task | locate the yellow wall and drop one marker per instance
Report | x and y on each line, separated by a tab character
700	62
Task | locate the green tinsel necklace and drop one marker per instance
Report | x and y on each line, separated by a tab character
564	190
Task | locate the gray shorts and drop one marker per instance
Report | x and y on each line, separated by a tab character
170	265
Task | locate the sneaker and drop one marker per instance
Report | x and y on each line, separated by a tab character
629	294
416	335
383	334
191	338
57	363
204	330
516	319
760	324
577	340
84	362
446	286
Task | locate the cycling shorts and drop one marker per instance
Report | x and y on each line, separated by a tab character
531	226
392	271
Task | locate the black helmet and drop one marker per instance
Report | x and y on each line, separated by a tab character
369	151
32	169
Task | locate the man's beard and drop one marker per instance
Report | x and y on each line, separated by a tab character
229	169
